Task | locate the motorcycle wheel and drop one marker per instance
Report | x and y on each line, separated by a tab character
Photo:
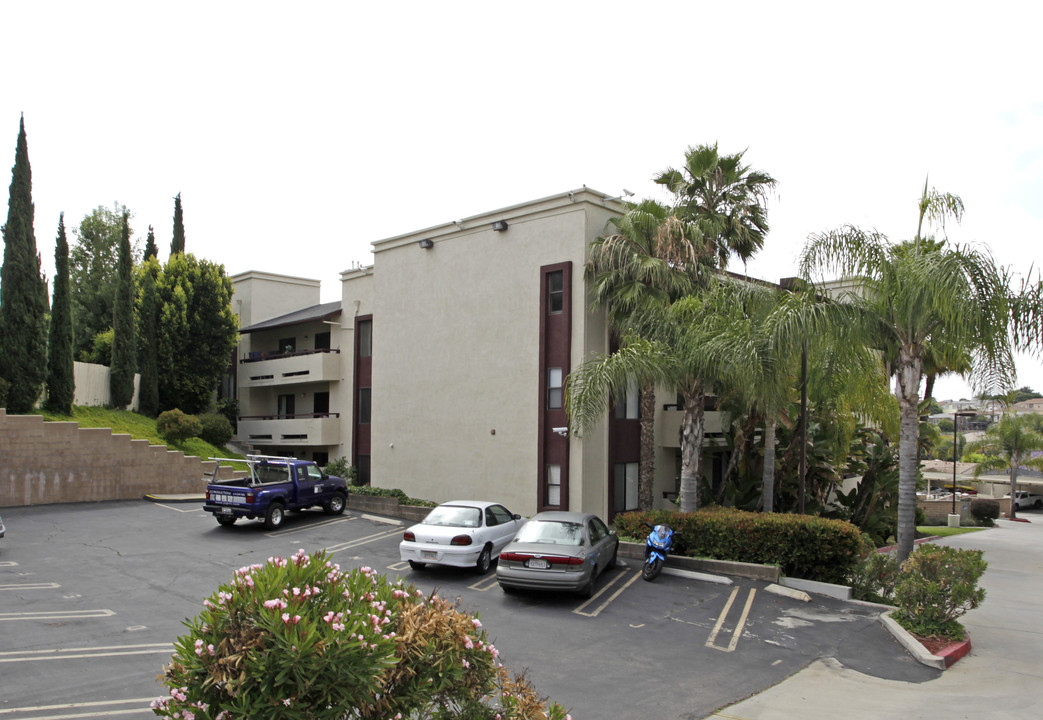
651	570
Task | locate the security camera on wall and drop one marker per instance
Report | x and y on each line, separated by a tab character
563	431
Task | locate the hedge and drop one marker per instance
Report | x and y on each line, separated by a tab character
803	546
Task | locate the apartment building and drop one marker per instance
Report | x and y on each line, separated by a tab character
441	369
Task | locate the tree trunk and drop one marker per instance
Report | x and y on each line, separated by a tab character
646	470
768	472
909	371
1014	460
691	447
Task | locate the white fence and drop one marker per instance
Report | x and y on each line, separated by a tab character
92	385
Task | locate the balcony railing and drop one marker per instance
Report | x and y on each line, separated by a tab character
307	366
301	429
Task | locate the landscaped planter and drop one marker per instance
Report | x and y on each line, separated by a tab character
768	573
386	506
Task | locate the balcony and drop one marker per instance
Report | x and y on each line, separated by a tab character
306	429
293	368
668	428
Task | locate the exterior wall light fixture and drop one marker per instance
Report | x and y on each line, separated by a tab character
427	243
500	225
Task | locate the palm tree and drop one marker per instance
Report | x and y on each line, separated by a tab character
1008	446
671	345
725	199
912	296
651	258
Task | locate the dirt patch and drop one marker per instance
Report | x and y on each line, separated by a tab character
935	644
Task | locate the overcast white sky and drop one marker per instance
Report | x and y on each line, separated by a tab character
299	133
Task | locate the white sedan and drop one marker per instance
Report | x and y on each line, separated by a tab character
462	533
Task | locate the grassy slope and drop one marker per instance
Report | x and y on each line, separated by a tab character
138	427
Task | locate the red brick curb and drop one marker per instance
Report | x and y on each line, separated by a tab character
954	652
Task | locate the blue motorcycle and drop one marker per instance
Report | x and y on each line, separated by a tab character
658	545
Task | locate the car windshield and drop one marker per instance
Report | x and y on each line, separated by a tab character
551	533
454	516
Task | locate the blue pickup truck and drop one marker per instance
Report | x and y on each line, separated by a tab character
274	486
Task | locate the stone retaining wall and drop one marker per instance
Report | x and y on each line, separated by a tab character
59	462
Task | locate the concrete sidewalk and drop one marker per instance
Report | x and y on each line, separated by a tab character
1000	678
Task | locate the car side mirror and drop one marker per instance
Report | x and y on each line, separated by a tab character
516	516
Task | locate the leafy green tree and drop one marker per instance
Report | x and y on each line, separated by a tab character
124	343
23	292
94	261
151	249
61	386
148	336
911	296
651	258
669	345
1008	446
726	200
177	243
197	331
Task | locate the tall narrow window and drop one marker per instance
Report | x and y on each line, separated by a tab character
365	338
555	291
554	389
287	406
364	406
624	493
553	494
628	403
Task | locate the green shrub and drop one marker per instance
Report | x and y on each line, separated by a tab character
4	387
803	546
299	639
937	585
874	577
229	407
393	493
215	429
985	511
343	469
175	426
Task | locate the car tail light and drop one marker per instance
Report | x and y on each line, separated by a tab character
207	494
552	559
514	557
249	497
408	536
461	540
565	560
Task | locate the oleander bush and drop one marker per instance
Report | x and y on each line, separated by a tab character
299	639
803	546
874	578
937	585
341	467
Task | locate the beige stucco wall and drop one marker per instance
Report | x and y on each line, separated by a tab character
456	363
259	296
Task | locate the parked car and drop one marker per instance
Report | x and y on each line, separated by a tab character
558	551
462	533
1024	499
3	530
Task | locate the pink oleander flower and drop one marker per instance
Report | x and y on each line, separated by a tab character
476	622
286	702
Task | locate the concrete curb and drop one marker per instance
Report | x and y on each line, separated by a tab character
768	573
945	660
788	592
184	498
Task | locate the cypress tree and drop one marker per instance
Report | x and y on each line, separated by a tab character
151	249
124	346
23	292
177	245
61	386
148	316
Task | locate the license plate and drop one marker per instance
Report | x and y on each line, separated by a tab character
537	564
224	511
428	554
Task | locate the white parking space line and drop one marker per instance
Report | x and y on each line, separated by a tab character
143	704
309	526
710	642
8	563
582	609
81	653
175	508
363	540
31	586
57	615
399	566
382	520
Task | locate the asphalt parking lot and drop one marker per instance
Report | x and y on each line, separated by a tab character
93	595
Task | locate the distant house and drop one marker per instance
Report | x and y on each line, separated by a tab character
1033	405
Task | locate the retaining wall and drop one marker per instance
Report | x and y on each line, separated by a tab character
59	462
